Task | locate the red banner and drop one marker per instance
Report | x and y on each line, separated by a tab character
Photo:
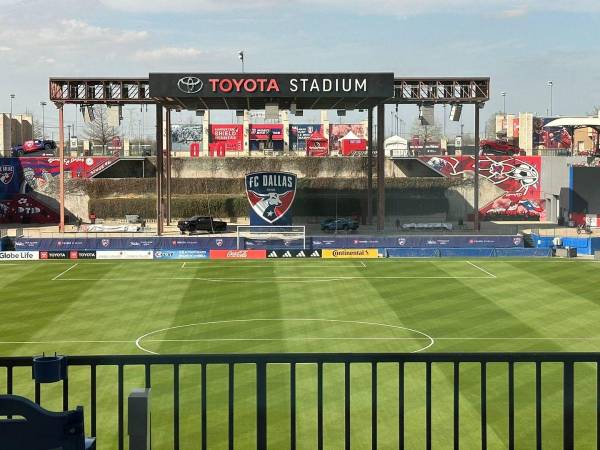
518	177
238	254
232	135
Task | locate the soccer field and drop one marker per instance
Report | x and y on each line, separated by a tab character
326	306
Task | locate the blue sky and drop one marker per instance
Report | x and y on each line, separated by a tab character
519	44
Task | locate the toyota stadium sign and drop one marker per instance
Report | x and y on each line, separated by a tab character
341	85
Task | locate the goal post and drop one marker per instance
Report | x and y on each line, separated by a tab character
294	233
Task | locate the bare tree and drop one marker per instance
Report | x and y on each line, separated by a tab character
426	133
36	129
595	111
99	131
490	125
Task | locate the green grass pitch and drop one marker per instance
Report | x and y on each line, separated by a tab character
441	305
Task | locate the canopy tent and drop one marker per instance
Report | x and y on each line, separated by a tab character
575	122
396	146
317	145
351	144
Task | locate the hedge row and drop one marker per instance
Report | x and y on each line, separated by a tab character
213	205
237	206
103	188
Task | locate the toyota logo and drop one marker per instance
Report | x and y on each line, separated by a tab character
190	85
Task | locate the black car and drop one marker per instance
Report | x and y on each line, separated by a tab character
339	224
201	223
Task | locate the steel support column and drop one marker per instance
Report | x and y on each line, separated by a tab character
380	167
169	150
370	168
476	224
61	157
159	169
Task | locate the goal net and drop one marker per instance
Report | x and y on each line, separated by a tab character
293	236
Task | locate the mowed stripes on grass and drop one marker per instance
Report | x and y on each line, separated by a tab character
312	306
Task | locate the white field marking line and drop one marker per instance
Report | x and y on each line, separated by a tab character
270	279
62	273
294	339
271	266
482	269
139	346
310	339
62	342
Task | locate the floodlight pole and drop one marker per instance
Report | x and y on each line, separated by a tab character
370	167
61	150
380	167
169	149
476	225
159	169
10	139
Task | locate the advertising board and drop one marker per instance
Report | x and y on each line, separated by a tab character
351	253
54	254
12	256
287	253
125	254
82	254
238	254
181	254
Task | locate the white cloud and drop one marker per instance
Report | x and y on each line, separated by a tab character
4	49
165	53
506	8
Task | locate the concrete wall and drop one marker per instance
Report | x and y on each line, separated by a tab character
22	130
554	177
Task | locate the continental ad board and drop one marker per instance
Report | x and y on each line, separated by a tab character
351	253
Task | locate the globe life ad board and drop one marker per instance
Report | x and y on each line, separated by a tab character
19	256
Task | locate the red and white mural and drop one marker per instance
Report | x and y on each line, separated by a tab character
518	177
25	182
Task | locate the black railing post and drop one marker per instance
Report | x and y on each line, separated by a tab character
231	404
120	406
93	398
293	406
568	406
401	405
538	406
428	406
261	405
203	406
347	429
456	406
176	406
374	406
483	406
511	406
320	406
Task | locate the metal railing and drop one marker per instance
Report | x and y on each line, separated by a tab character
566	362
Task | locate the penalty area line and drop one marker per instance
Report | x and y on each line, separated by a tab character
64	272
482	269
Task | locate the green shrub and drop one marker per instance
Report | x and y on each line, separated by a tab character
181	206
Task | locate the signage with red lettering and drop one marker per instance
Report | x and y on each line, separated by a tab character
231	135
238	254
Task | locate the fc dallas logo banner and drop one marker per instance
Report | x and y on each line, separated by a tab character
271	195
6	174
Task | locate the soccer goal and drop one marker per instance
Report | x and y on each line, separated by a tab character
292	235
